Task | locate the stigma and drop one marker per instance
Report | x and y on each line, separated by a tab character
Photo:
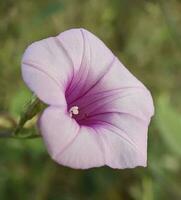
74	110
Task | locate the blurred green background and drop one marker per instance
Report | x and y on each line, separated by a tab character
146	36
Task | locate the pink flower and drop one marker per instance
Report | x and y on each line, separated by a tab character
98	111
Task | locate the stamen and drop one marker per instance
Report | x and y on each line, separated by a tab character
74	110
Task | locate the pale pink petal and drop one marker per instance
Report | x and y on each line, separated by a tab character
68	143
122	122
49	56
96	62
58	129
121	152
43	85
118	91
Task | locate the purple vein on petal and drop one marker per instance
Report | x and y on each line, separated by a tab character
108	93
115	112
86	105
58	42
88	62
101	77
110	101
80	69
117	90
123	135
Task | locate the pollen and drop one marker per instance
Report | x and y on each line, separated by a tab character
74	110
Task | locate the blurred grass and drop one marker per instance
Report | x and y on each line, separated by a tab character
145	35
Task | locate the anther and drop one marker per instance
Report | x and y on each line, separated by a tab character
74	110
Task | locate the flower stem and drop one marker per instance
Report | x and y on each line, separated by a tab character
31	109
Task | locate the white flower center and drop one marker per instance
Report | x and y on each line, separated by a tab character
74	110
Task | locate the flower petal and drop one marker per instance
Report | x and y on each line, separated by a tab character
120	151
68	143
50	57
43	85
96	62
122	125
116	84
57	128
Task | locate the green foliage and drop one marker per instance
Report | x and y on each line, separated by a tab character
169	123
18	101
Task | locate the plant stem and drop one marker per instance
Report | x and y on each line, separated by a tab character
31	109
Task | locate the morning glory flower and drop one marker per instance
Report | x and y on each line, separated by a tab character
98	113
